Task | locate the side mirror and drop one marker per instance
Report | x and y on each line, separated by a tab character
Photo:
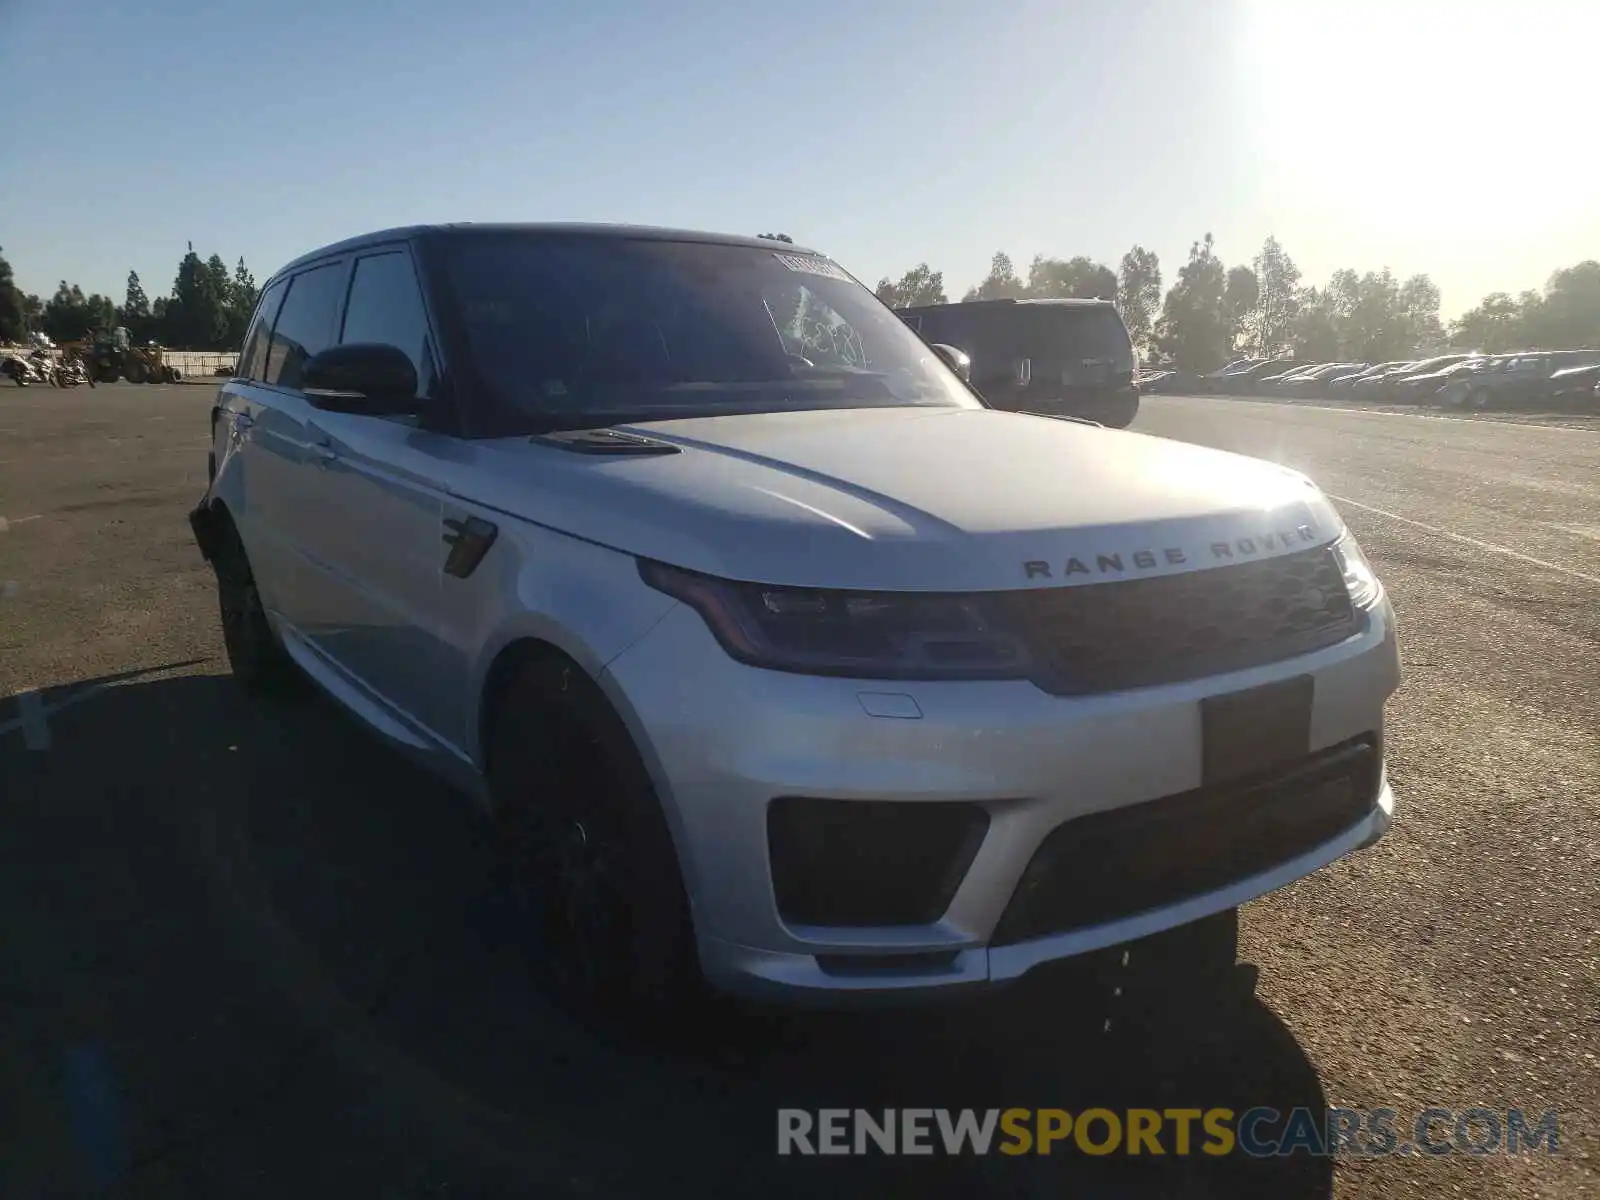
365	378
955	359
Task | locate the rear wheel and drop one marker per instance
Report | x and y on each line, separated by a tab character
1119	414
259	662
587	859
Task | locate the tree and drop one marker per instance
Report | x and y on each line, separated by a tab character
776	237
1193	331
1001	283
1315	331
1239	299
1567	316
241	303
1076	278
1277	297
135	311
1139	293
920	285
1376	329
196	316
13	321
1492	326
70	315
1419	312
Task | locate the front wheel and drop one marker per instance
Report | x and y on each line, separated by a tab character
1166	979
586	855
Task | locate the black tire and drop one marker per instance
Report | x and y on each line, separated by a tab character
260	664
1479	400
587	860
1176	979
1119	414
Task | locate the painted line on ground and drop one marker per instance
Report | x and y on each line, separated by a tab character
34	722
35	712
1470	541
1431	416
1262	402
6	525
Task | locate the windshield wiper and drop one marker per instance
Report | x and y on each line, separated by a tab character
604	441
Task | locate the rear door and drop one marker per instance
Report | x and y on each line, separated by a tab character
1524	379
1076	347
982	334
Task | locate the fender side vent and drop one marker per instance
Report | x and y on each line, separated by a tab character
604	441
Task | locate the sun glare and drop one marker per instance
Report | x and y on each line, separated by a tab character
1416	116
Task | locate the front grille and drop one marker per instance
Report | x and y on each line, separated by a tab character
1119	863
1141	632
869	862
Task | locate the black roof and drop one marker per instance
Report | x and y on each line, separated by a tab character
574	229
1069	301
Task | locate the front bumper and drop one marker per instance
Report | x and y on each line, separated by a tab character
724	740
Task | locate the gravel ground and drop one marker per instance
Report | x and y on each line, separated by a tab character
251	953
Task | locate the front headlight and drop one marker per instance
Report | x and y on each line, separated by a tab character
1360	580
868	635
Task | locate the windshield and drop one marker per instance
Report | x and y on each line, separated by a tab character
571	332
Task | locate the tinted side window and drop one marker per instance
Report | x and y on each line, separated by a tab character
253	357
305	323
386	306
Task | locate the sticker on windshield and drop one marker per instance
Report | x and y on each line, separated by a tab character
812	264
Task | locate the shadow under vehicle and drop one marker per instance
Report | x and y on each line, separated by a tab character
283	947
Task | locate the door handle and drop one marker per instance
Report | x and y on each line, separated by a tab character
321	447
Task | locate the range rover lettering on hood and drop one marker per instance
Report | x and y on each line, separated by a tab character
1149	558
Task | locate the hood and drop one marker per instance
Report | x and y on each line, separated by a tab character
919	499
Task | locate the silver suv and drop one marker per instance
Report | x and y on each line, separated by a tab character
777	658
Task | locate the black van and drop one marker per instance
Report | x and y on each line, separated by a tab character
1071	357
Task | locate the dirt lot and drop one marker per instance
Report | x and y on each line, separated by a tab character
248	952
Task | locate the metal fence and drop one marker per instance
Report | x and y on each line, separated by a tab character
200	365
196	366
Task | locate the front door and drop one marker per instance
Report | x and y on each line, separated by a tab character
268	413
378	533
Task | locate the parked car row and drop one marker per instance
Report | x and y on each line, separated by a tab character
1525	379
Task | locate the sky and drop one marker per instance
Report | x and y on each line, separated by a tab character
1425	136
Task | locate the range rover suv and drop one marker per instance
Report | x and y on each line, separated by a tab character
1056	357
778	659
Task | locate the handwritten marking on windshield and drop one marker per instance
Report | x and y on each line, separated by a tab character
813	264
